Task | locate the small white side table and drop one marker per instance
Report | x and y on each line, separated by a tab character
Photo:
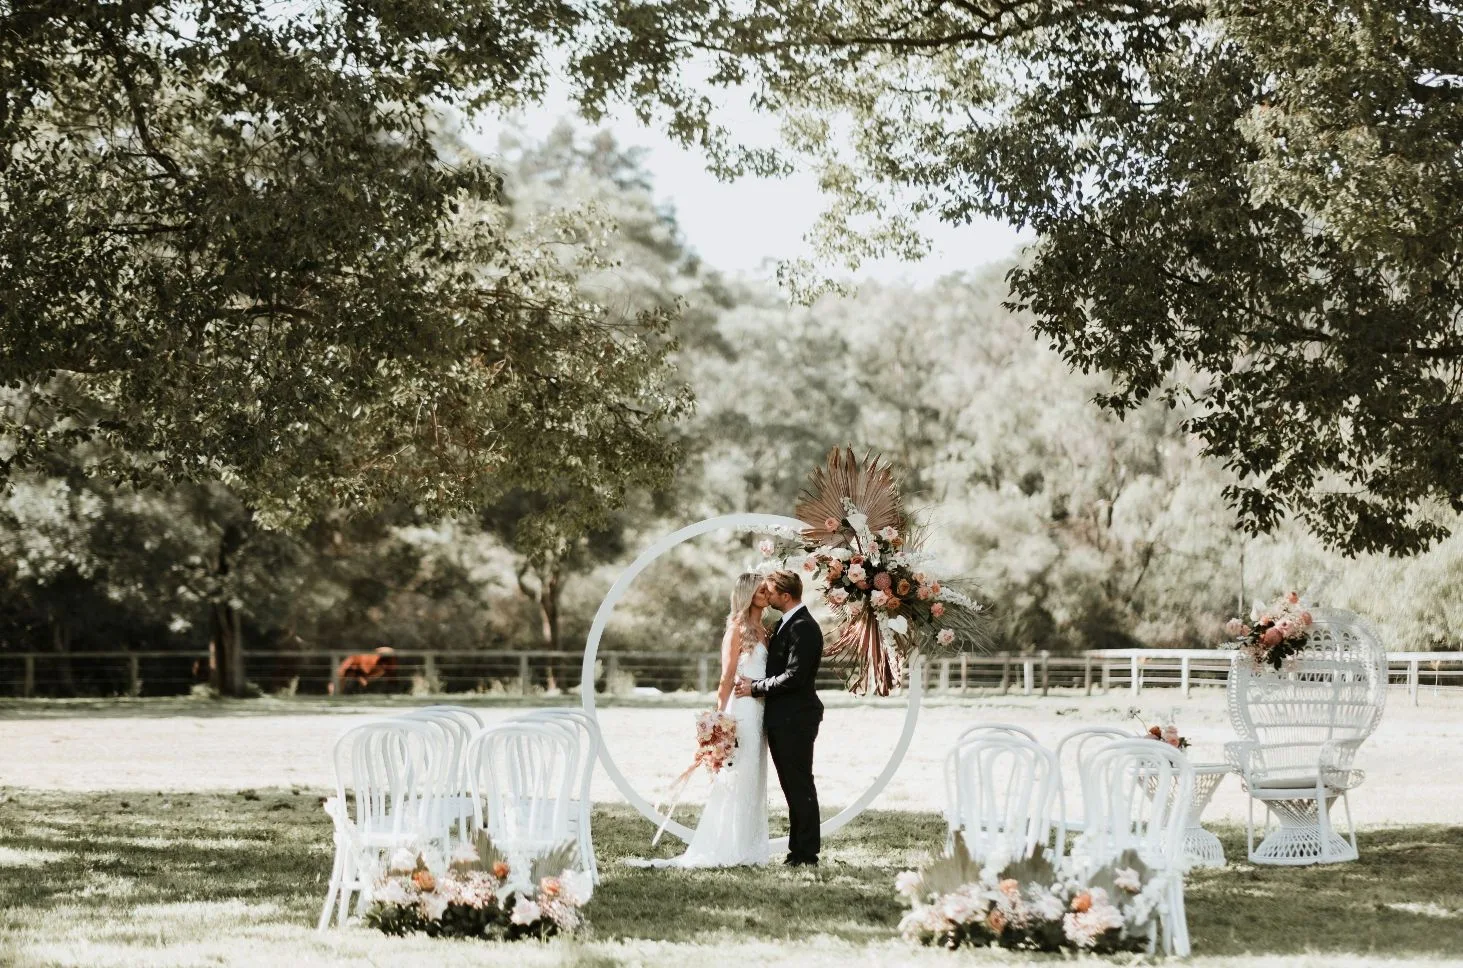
1202	847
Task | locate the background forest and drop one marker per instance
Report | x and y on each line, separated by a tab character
1084	530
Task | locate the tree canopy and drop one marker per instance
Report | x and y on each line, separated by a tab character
1264	195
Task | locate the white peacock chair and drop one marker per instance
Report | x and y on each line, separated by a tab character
1299	731
1001	791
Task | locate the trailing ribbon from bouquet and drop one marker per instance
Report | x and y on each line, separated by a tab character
864	551
716	741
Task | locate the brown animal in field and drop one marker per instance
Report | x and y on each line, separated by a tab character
357	672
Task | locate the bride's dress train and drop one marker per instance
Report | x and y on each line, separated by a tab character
733	827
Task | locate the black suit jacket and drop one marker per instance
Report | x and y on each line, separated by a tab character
793	656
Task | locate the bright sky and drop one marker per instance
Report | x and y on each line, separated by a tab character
749	225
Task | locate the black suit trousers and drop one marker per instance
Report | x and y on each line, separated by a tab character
791	747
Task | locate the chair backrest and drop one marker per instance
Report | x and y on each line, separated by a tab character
1136	795
455	732
524	773
1004	729
468	717
586	734
392	770
1074	749
1333	689
1002	792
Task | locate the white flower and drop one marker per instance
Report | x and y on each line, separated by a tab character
525	912
766	547
1048	906
946	637
576	887
837	596
908	883
434	905
959	908
1127	879
889	533
857	521
394	892
899	625
878	598
842	554
403	861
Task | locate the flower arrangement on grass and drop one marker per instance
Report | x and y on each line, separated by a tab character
862	550
480	895
1031	904
1275	631
716	741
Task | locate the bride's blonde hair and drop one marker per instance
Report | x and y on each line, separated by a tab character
738	616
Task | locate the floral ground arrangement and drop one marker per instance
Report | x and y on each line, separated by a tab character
164	879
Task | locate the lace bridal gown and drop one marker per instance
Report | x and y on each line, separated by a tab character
733	827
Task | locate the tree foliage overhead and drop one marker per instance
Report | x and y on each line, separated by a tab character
239	243
1263	194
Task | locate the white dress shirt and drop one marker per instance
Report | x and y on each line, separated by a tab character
787	615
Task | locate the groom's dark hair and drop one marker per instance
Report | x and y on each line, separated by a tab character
787	582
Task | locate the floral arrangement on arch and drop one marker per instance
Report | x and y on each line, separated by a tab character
481	895
1032	904
1275	631
862	550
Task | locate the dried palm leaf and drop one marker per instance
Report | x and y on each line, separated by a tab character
868	484
873	667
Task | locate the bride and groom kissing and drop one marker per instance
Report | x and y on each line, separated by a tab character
767	685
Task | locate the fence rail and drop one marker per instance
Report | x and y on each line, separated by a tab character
28	674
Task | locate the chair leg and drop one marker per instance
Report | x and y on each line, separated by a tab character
1250	829
1350	824
347	884
332	891
1178	932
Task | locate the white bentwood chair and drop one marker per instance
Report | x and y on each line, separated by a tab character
456	726
1001	791
387	777
1072	751
1136	795
588	737
522	776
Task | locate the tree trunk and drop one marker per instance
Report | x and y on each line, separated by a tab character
548	605
226	640
61	643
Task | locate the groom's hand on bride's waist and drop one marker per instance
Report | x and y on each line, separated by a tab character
743	688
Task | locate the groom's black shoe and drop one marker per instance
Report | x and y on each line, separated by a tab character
801	862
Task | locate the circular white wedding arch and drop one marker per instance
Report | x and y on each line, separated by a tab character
602	618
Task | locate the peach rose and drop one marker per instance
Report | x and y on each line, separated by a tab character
1234	627
1010	887
996	921
902	589
424	880
937	610
1082	903
856	559
500	869
1292	598
1306	618
892	603
935	588
549	887
1272	638
831	524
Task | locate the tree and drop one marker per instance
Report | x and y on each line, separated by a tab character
1262	194
243	247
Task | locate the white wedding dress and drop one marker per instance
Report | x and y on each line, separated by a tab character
733	827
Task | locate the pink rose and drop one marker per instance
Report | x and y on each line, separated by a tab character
1306	619
878	598
856	573
882	581
837	597
809	565
946	637
830	524
1292	598
889	534
1272	638
1267	619
766	547
937	610
924	593
835	570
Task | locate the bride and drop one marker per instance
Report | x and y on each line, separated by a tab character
733	827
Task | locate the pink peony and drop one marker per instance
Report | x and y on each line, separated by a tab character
1272	638
937	610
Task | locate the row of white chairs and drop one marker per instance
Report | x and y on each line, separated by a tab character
1007	796
430	779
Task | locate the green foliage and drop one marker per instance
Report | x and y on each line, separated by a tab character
1244	207
245	247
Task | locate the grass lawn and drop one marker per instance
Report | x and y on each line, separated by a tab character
101	879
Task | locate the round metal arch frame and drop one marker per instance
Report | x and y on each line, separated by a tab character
745	521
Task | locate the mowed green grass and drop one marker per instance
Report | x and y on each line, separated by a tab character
102	879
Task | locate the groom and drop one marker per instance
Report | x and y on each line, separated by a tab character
793	710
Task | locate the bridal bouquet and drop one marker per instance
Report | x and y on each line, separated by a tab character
480	895
716	741
1031	905
862	549
1277	631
